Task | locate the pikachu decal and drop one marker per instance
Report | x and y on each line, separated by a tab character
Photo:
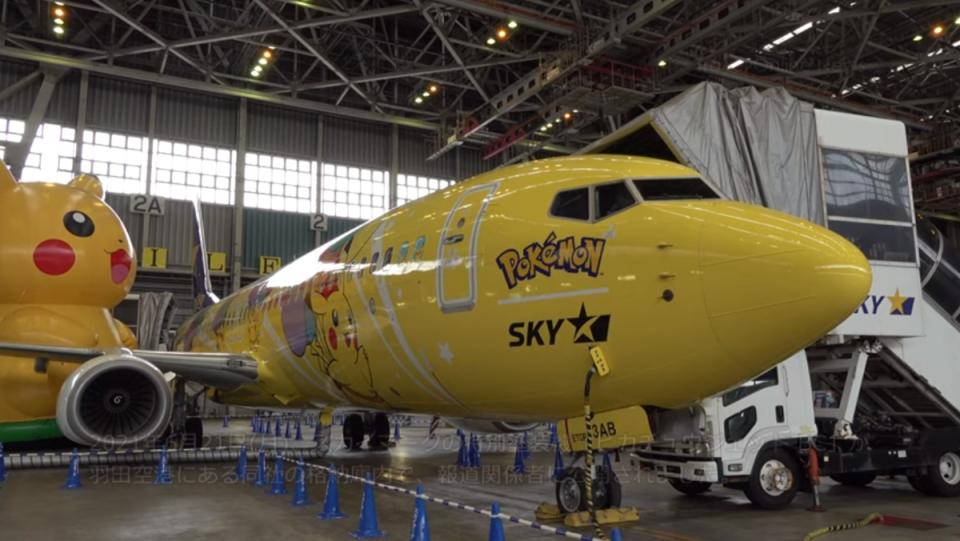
65	261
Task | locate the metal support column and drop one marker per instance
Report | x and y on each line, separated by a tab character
318	182
394	166
237	249
81	122
151	145
16	154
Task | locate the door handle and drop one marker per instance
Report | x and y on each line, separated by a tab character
453	239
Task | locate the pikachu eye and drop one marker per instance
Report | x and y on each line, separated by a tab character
78	223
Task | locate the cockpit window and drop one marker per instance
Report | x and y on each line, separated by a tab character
674	189
611	198
573	204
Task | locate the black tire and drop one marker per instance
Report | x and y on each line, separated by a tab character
854	479
774	481
193	433
353	431
608	493
920	484
690	488
943	478
570	490
381	431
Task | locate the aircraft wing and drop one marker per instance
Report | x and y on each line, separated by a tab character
221	370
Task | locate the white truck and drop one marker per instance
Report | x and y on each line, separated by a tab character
880	395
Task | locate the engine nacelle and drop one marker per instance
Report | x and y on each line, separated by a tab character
114	399
490	427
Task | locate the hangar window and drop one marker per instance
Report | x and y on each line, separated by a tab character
573	204
119	160
51	154
670	189
410	187
278	183
11	130
185	170
352	192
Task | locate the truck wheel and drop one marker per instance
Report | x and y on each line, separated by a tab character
570	490
854	479
690	488
773	483
353	431
944	477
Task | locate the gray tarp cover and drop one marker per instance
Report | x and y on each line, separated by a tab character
759	147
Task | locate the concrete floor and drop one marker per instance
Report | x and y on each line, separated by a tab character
205	503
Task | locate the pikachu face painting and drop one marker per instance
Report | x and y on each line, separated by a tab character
66	261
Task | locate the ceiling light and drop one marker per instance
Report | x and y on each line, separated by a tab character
58	21
502	34
59	12
918	37
662	63
262	61
433	89
735	64
543	128
937	30
418	99
575	111
58	30
268	53
491	41
255	73
567	116
512	25
425	94
957	21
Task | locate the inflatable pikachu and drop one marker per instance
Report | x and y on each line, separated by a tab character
65	262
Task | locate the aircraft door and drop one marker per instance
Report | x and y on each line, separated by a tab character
457	257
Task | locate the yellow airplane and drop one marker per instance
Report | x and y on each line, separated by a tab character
480	303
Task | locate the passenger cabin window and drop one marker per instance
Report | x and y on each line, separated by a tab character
573	204
611	198
670	189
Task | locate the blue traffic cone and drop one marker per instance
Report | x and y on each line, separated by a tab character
369	528
242	465
287	433
396	433
525	446
607	462
421	526
518	466
276	429
73	474
496	525
557	463
331	502
615	535
226	421
474	451
300	496
254	424
554	437
317	428
3	465
267	428
279	487
462	458
299	432
261	478
163	471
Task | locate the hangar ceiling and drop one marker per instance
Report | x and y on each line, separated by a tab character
562	72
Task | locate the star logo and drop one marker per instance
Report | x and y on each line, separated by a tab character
589	329
900	305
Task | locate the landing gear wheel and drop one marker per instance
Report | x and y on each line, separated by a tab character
690	488
353	431
943	478
773	483
854	479
381	431
193	433
571	489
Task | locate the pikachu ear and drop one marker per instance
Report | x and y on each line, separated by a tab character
88	183
7	181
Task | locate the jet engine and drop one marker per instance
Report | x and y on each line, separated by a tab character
490	427
114	399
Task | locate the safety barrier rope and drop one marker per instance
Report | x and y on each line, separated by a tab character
562	532
59	459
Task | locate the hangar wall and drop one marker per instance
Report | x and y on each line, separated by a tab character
157	113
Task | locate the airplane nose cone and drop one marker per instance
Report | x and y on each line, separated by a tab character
774	283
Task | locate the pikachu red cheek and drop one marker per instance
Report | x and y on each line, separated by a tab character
54	257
